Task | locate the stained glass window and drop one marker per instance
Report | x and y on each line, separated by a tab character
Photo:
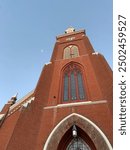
80	86
78	144
66	87
73	86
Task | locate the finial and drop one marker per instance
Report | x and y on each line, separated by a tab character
13	99
70	30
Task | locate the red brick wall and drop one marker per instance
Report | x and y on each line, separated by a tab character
29	128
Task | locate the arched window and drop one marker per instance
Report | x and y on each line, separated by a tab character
73	86
77	144
70	52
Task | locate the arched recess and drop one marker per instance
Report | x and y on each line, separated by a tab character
73	83
97	137
69	142
71	51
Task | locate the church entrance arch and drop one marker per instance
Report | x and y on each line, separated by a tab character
89	135
78	141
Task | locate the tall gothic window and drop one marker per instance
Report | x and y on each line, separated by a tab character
73	86
70	52
78	144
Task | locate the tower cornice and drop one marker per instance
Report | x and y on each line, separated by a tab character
71	33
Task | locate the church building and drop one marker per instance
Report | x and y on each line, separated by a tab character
71	107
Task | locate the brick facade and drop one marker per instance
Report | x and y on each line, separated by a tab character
43	120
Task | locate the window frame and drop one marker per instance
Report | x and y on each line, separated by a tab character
69	52
73	67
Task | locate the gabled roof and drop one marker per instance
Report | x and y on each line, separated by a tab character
22	102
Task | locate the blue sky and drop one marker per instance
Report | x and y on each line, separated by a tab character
27	36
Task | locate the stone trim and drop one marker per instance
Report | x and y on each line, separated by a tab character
23	104
1	116
97	136
21	100
76	104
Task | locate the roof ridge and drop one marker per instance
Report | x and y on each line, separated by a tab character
21	100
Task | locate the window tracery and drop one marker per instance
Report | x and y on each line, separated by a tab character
78	144
73	86
71	52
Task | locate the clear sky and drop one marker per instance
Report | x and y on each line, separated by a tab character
27	36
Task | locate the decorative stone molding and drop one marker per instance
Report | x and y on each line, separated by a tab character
1	116
91	129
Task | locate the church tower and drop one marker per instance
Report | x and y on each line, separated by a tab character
71	106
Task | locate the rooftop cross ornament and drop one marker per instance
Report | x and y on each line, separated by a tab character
70	30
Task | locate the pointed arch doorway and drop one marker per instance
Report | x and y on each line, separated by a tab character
79	142
89	134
